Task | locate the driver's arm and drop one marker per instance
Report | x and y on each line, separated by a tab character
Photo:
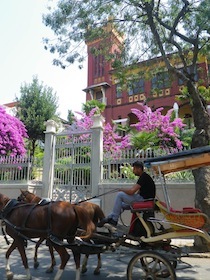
132	190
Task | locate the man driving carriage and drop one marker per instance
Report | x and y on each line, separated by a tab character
144	189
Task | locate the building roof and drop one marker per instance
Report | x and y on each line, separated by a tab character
104	84
11	104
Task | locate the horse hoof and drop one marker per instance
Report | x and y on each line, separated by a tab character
9	275
36	265
49	270
84	270
96	272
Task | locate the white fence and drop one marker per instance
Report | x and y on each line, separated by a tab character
74	167
20	169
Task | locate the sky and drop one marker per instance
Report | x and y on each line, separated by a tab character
23	56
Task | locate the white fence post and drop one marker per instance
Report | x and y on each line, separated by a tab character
97	153
49	158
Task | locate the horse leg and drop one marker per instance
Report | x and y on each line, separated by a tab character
53	262
84	264
36	263
77	257
21	249
64	259
97	270
9	273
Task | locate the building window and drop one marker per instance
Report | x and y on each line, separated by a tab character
120	126
98	66
189	71
118	91
135	87
161	80
99	96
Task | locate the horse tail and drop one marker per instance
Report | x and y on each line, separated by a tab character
85	222
98	214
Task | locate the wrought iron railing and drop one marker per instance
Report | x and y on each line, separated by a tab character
118	167
20	169
115	169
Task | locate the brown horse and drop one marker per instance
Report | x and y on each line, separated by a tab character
95	214
57	219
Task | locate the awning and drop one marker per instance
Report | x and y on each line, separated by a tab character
104	84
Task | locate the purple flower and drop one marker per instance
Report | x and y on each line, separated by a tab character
12	135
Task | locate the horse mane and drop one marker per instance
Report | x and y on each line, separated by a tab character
4	199
32	197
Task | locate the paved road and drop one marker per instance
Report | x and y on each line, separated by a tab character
114	265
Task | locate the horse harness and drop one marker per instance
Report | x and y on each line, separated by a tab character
14	204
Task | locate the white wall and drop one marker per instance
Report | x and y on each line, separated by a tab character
181	195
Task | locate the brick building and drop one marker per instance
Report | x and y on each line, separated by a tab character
157	91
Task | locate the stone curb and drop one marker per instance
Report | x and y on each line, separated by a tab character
187	245
200	255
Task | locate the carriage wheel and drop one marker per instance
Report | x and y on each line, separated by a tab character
150	265
165	273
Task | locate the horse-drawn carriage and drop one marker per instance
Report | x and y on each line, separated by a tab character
156	257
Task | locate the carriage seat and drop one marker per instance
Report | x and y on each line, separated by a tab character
191	210
143	206
147	209
185	210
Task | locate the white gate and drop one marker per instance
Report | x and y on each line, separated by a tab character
72	167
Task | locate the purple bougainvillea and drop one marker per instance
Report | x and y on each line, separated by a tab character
12	134
164	126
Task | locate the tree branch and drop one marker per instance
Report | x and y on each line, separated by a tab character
172	29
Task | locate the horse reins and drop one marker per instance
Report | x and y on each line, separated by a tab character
16	229
96	196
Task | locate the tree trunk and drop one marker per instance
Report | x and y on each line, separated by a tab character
202	191
202	201
200	138
33	147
